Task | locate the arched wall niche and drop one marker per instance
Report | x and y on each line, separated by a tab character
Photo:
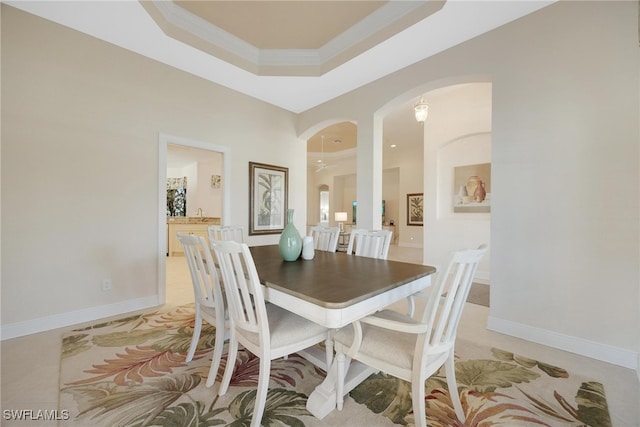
469	149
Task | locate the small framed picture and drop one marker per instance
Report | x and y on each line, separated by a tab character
216	180
268	198
472	188
415	209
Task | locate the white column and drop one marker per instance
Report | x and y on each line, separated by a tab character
369	173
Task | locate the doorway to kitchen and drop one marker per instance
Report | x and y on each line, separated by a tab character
202	170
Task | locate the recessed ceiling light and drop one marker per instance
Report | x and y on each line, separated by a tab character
393	145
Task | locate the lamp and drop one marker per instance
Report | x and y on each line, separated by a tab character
340	218
421	110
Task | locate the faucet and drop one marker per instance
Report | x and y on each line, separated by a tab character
199	212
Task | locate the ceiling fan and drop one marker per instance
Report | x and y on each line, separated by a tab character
322	165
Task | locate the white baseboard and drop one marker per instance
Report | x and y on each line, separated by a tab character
606	353
62	320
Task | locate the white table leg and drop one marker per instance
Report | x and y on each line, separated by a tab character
323	399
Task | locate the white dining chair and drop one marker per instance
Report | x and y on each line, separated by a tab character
370	243
226	232
266	330
325	238
374	244
209	300
413	349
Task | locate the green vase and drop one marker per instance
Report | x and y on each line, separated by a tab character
290	240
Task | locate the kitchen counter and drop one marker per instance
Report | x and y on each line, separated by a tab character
193	220
186	225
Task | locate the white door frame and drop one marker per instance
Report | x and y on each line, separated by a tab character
163	141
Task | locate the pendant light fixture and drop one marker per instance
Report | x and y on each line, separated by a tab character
421	110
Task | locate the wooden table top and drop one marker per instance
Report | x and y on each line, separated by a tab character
332	279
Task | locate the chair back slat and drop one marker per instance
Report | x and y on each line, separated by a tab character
225	233
443	313
325	238
245	299
373	244
206	285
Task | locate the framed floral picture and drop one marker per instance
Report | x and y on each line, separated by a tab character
268	198
415	209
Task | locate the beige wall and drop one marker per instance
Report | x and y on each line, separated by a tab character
566	130
80	168
565	165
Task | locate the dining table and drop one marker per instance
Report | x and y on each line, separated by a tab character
335	289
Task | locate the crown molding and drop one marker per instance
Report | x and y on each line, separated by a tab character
388	20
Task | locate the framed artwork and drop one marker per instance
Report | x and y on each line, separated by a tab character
268	198
472	188
216	181
415	209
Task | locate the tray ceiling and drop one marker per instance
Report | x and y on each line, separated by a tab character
286	38
336	48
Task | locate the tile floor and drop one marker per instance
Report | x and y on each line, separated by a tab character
30	364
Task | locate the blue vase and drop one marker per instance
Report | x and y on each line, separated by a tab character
290	240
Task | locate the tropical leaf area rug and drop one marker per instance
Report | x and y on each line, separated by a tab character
132	372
